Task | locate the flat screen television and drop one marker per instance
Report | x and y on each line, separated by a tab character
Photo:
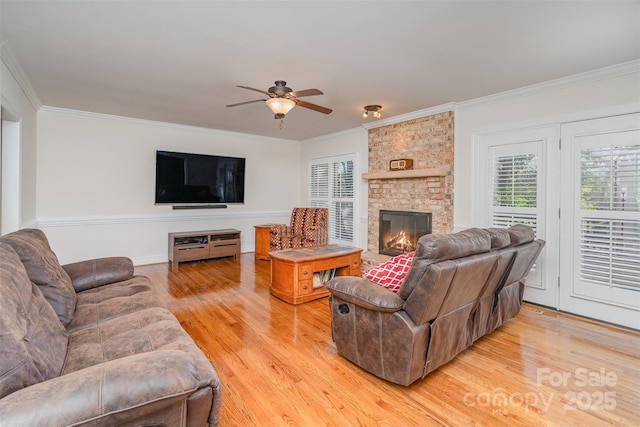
189	178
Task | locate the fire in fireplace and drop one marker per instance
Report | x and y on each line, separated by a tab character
400	231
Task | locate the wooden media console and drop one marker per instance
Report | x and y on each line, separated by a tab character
198	245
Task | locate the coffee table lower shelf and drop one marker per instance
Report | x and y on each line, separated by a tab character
292	270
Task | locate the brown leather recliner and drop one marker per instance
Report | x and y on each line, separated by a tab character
457	289
89	343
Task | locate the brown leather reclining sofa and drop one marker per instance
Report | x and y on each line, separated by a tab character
459	287
89	343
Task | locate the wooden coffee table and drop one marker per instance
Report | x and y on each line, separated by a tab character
292	270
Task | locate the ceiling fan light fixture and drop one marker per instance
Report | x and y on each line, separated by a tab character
375	109
280	106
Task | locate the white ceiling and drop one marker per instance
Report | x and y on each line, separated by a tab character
180	61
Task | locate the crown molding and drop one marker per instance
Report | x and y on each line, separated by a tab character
551	85
597	113
15	69
411	116
103	116
333	135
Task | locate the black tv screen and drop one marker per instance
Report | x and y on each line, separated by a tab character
198	178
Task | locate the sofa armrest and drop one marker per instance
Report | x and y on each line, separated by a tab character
365	293
98	272
109	393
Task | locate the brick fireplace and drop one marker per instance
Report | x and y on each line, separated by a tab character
428	141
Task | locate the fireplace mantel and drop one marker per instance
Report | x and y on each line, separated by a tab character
410	173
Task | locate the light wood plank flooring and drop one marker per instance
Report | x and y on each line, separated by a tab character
279	367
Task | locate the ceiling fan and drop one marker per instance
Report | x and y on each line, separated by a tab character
282	99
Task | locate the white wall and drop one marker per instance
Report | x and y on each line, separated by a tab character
580	97
17	107
347	142
96	177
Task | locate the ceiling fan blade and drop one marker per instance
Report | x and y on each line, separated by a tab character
246	102
254	89
313	107
306	92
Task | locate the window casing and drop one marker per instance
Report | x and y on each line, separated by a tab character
332	185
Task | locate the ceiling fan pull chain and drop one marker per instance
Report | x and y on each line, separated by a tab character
281	123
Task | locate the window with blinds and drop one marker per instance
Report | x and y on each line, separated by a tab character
609	219
342	200
515	190
331	185
319	183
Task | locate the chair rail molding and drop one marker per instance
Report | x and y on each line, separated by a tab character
154	218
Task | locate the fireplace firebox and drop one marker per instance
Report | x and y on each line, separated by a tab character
400	231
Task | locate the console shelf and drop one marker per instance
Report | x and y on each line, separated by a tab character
198	245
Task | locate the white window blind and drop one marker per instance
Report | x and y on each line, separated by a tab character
610	220
319	182
342	201
515	190
331	185
515	197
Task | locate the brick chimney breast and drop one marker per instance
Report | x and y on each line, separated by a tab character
428	141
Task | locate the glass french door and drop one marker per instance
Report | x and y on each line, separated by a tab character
513	189
600	222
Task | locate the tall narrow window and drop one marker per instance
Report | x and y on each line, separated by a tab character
331	185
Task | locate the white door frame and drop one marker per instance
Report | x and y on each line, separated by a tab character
572	298
554	253
542	289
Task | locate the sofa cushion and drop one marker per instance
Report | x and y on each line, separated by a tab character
97	305
44	270
126	335
391	273
440	247
521	234
499	238
32	339
435	248
144	331
134	333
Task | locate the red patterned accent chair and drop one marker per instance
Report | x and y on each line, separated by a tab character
309	227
